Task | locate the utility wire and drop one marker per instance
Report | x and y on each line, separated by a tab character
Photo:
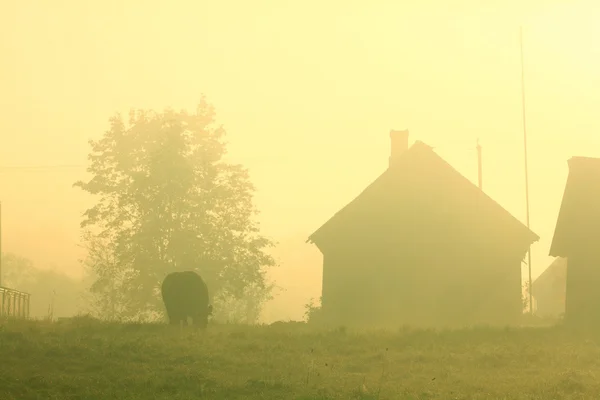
8	168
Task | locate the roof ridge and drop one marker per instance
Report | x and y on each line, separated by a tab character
419	145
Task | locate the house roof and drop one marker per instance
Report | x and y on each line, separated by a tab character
420	170
578	222
557	270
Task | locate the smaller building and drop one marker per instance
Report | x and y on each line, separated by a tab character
549	290
576	237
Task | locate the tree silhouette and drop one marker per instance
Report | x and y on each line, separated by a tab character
167	201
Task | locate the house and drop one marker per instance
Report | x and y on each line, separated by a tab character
549	289
576	237
422	245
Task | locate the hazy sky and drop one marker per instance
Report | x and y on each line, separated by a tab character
307	91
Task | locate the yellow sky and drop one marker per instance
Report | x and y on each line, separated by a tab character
307	91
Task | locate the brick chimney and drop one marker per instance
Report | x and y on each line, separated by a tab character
399	142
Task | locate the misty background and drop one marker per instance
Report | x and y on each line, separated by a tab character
307	94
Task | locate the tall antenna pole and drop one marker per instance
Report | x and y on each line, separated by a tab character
0	244
526	170
479	165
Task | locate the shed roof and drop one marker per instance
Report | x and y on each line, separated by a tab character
578	222
419	169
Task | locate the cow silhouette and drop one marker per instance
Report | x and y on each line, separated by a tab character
185	294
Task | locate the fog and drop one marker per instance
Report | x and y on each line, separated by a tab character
307	94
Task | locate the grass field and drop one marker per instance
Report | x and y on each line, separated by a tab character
83	359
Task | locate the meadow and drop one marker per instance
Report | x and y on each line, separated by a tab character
87	359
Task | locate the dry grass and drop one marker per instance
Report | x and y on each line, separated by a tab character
84	359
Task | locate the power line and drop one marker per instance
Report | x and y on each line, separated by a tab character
10	168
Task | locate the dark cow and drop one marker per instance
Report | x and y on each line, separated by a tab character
185	294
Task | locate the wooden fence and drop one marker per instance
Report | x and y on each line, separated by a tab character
14	303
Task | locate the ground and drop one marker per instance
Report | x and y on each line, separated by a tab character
84	359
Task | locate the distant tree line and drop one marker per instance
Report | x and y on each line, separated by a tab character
53	293
167	201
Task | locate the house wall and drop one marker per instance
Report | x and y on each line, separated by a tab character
549	290
357	289
474	287
500	299
340	285
550	297
417	285
549	302
583	288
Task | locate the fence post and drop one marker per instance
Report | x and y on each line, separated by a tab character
14	303
21	301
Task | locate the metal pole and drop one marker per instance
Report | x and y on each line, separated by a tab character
479	164
0	244
526	169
